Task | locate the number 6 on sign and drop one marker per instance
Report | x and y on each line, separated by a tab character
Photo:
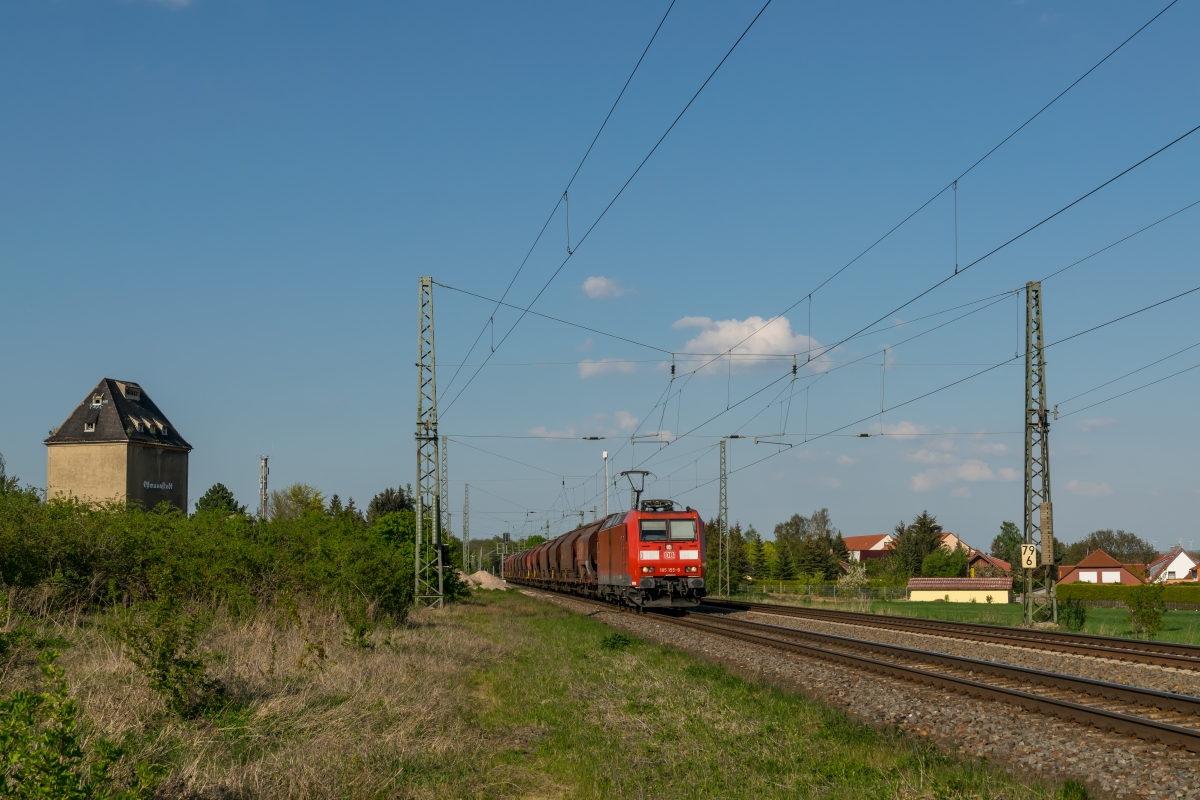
1029	556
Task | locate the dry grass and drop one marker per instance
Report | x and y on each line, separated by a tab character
503	696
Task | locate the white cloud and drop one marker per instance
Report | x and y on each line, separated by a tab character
962	491
542	430
829	483
625	421
1085	489
598	287
989	447
846	461
1089	425
905	430
605	366
972	470
749	337
813	455
924	456
586	347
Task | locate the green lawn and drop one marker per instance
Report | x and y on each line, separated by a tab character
608	717
1180	626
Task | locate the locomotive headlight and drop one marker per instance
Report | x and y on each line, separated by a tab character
690	569
647	570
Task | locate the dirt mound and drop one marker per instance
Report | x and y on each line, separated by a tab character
486	580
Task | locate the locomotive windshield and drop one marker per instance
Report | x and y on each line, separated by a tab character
683	530
654	530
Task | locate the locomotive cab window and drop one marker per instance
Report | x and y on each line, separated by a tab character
654	530
683	530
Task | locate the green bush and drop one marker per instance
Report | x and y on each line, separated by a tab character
1179	593
1146	607
42	751
161	642
1072	615
615	641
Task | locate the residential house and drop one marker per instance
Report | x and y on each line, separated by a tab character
864	547
960	590
1100	567
951	542
1172	567
982	565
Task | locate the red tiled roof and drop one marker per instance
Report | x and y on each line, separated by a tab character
1099	558
864	542
959	583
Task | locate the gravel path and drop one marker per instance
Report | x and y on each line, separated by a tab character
1146	676
1030	744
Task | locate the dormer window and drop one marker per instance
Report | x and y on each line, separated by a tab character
137	425
131	391
97	399
89	427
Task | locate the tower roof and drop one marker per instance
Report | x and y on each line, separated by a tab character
118	411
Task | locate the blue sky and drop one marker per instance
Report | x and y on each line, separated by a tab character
231	203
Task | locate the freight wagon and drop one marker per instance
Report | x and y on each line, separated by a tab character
649	556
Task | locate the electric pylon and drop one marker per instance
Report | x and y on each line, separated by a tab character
723	523
466	534
428	588
1039	522
444	489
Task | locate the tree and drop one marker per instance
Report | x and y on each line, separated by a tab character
1007	545
389	501
756	554
296	501
812	544
1124	546
915	541
840	551
219	500
785	568
940	564
739	564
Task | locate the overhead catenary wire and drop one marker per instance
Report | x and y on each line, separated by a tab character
563	196
1131	391
953	183
611	202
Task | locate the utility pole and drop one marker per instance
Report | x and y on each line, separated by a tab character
723	522
1039	522
467	528
262	486
444	489
606	484
428	588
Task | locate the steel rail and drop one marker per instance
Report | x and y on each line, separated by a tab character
1162	654
784	638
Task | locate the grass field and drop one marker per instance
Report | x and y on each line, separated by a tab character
1179	626
500	696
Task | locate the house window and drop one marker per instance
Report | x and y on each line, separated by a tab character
1087	577
97	399
1111	577
89	427
1171	575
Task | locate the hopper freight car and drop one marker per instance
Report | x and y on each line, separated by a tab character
650	556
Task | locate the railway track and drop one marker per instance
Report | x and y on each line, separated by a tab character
1172	719
1162	654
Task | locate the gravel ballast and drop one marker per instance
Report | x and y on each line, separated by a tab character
1041	747
1145	676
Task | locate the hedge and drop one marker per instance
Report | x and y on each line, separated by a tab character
1115	591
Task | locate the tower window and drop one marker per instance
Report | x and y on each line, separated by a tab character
97	399
89	427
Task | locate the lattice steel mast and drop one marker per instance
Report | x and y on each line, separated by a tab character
1039	521
428	588
466	534
444	490
723	523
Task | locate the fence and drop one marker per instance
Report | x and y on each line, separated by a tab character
829	591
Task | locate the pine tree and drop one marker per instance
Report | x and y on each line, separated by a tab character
219	500
785	568
755	554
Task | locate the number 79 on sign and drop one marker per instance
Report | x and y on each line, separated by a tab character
1029	556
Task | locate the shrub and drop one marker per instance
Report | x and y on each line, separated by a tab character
1146	607
1072	615
42	752
1179	593
161	642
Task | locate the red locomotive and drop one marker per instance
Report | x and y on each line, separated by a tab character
651	556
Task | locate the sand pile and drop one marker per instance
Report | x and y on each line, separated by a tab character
486	580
